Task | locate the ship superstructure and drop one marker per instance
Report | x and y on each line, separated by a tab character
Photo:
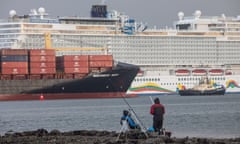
169	58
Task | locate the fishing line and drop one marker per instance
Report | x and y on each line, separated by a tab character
131	109
143	128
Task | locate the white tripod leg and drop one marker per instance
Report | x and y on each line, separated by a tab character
123	129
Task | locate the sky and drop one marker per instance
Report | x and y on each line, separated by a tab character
159	13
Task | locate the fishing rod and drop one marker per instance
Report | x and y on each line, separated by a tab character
143	128
151	99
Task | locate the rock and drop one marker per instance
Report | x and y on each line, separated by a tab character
55	132
103	137
41	132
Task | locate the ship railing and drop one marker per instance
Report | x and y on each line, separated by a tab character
13	20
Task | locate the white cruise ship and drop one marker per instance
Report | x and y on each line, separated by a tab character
170	59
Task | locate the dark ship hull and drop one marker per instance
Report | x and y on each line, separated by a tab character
111	83
192	92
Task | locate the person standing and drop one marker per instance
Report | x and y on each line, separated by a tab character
158	111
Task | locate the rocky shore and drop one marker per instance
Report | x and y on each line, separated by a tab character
42	136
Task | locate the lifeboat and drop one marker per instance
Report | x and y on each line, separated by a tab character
199	72
182	72
228	72
140	73
216	72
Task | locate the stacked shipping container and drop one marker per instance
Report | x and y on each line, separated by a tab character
43	63
14	61
100	61
73	66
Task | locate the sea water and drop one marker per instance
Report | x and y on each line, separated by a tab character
196	116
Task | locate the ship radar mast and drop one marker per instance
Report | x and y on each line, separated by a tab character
12	13
197	14
40	13
180	15
223	16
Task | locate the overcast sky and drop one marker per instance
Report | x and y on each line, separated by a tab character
158	13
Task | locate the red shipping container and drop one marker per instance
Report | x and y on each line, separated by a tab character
72	64
6	77
19	77
68	76
100	57
14	71
47	76
47	58
76	70
73	58
79	76
42	70
42	52
35	77
100	63
14	52
14	64
42	64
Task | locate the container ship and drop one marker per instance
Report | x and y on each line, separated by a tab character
169	58
41	75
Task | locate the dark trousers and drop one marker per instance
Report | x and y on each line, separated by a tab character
157	124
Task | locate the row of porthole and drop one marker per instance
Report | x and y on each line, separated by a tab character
179	79
198	78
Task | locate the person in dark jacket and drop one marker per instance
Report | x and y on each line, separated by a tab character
127	116
158	111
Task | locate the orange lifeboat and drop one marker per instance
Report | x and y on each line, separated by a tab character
199	72
216	72
182	72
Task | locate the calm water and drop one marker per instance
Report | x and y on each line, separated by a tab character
185	116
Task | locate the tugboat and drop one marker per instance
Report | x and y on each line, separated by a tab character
204	88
